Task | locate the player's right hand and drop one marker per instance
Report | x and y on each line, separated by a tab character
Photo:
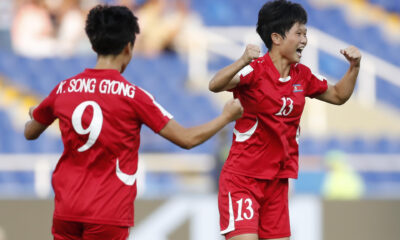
252	51
233	109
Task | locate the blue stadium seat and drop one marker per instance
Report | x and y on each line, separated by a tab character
16	183
386	145
310	146
358	145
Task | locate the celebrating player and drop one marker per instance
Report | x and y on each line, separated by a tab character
100	115
253	187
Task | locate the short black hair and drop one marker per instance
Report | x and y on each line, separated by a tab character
110	28
278	17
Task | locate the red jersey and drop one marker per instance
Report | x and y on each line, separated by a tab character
265	138
100	116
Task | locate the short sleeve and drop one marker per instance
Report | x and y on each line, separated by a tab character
150	112
316	84
246	75
44	113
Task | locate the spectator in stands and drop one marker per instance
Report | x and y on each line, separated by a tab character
162	22
49	28
254	183
100	116
32	32
71	23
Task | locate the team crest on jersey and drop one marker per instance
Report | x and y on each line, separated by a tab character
297	88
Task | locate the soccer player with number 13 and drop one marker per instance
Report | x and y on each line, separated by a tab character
253	187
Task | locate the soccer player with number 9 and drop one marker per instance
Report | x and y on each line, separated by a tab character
253	187
100	116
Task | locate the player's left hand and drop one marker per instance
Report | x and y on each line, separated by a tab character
353	55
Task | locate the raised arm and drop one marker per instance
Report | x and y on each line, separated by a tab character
190	137
33	129
340	92
227	77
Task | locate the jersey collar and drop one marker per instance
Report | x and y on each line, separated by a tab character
102	71
275	73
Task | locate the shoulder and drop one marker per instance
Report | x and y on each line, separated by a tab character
302	71
305	71
143	96
142	92
301	68
254	67
258	63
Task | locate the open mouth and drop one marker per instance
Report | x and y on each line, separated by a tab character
299	51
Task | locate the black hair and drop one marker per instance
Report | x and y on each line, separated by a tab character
110	28
278	17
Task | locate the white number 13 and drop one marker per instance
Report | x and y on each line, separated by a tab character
287	107
249	209
95	125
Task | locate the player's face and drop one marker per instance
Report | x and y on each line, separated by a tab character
294	42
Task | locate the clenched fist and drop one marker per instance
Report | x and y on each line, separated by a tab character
353	55
233	109
252	51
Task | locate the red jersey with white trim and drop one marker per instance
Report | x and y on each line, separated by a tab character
100	116
265	138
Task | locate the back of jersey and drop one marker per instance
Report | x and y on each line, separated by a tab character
100	116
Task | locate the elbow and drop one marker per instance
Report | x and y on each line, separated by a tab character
340	97
187	145
213	90
337	102
341	100
212	87
29	133
29	136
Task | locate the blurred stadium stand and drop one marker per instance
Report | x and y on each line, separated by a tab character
389	5
25	81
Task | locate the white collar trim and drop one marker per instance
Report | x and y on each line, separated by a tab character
285	79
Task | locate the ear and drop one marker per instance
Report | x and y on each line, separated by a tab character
276	38
128	48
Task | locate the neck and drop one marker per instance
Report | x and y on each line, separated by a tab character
280	63
109	62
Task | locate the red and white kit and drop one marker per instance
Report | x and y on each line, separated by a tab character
265	141
100	116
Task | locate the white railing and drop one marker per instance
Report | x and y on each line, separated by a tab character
42	165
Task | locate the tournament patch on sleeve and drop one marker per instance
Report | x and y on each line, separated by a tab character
246	70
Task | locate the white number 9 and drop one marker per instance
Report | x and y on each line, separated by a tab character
94	128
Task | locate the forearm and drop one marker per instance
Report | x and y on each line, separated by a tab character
345	87
199	134
33	129
222	79
190	137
